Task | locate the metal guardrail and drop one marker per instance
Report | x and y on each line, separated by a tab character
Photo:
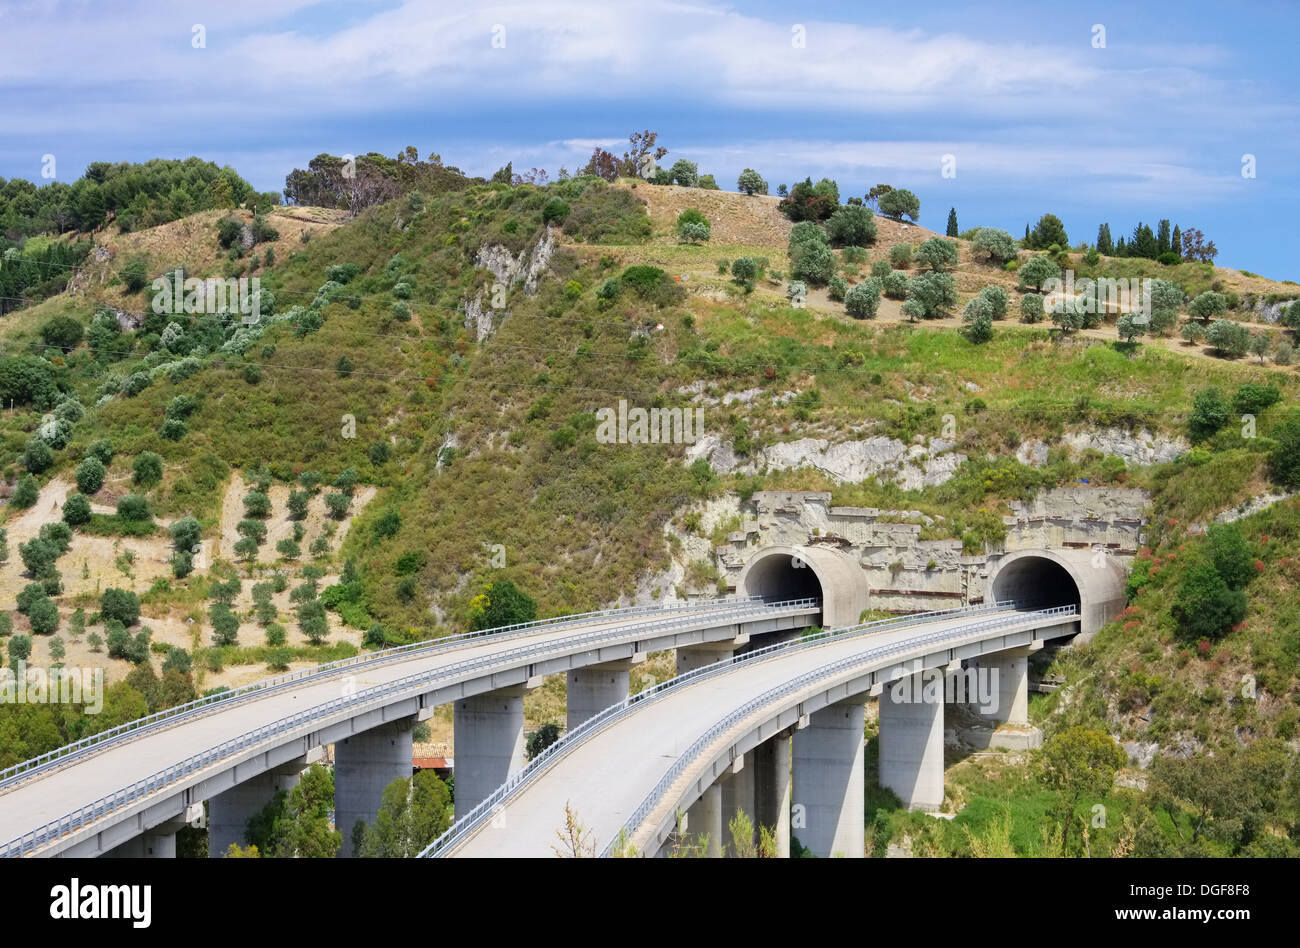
361	700
472	820
201	706
730	720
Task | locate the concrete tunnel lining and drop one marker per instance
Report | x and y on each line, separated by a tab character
1059	578
834	576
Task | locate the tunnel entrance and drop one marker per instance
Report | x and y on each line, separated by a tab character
1038	581
783	576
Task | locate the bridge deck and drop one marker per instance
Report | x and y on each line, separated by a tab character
52	795
607	775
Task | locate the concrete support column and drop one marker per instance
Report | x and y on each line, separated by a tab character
772	789
1002	677
704	818
489	744
364	764
911	740
738	797
157	843
229	812
594	688
829	781
691	657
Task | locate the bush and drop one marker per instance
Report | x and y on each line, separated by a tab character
744	269
146	469
90	475
1031	308
1251	398
342	273
812	261
37	456
683	172
900	203
1037	270
1169	258
1228	337
1205	606
894	285
257	504
555	211
852	225
937	253
863	300
1208	305
76	510
502	604
693	232
1193	332
62	332
1210	412
796	291
900	256
173	429
992	244
133	508
837	288
935	293
751	182
120	604
1231	555
997	299
229	230
101	448
25	494
1284	459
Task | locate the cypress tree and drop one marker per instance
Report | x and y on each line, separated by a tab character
1104	243
952	222
1176	244
1162	237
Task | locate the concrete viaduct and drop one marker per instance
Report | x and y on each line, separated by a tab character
127	792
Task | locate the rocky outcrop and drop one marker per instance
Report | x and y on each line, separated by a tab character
509	270
911	467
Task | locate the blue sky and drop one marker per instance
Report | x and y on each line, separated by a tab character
1154	124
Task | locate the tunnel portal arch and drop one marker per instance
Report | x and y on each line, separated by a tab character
788	572
1093	582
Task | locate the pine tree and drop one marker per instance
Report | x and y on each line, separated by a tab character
1120	249
1104	243
1162	237
952	222
1026	240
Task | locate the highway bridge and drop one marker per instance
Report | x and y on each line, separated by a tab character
126	792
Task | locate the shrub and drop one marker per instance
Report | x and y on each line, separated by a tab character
863	300
894	285
900	203
134	508
937	253
744	269
101	448
62	332
852	225
837	288
120	604
1228	337
997	299
1284	459
797	291
992	244
1031	308
1169	258
751	182
257	504
555	211
693	232
37	456
1210	412
1037	270
812	262
881	269
173	429
1193	332
1208	305
935	293
1231	555
146	468
1205	606
342	273
90	475
229	230
25	494
76	510
900	256
1251	398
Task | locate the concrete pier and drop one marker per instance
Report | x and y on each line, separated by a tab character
691	657
704	818
772	789
489	744
365	764
911	741
737	797
229	812
829	781
594	688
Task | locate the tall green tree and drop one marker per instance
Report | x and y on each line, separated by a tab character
952	222
1079	762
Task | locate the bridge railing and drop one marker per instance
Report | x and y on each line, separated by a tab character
482	813
795	684
200	706
361	700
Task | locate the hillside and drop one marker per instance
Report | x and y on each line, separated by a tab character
393	443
